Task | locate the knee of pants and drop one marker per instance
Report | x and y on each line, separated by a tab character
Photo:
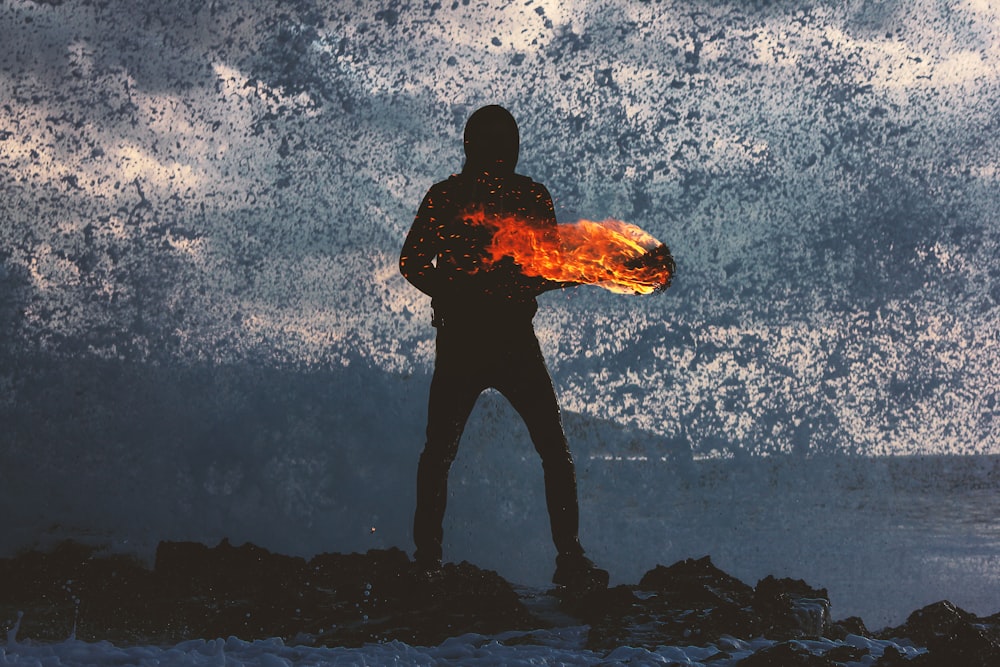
557	461
550	443
438	455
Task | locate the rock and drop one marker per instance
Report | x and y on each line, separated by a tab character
891	657
71	588
694	602
929	623
846	653
952	636
786	655
791	609
968	644
199	592
691	602
697	582
194	565
852	625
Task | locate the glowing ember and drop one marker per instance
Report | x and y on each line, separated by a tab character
615	255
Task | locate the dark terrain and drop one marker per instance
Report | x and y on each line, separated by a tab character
194	591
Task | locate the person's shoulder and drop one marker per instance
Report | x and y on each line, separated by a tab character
530	186
442	190
526	181
447	183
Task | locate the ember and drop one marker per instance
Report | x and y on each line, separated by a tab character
615	255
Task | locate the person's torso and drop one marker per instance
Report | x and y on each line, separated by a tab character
481	288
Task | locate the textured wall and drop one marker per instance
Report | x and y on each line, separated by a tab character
203	204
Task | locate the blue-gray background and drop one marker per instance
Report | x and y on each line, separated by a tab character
203	332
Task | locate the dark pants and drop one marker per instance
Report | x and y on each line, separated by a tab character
509	360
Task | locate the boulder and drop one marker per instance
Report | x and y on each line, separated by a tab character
952	636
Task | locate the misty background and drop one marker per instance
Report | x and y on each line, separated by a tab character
204	333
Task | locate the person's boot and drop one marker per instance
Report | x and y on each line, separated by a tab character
576	571
427	569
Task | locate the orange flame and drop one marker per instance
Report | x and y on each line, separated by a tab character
615	255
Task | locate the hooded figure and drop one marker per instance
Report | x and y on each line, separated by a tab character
492	141
485	339
444	255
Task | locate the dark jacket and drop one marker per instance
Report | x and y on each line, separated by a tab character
444	254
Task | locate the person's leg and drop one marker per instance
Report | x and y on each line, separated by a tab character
453	394
528	387
525	382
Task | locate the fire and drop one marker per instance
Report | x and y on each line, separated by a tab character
615	255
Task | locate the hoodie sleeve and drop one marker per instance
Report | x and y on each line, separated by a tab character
544	212
417	259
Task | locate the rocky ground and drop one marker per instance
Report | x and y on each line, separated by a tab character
194	591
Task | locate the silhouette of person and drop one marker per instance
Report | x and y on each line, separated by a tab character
483	314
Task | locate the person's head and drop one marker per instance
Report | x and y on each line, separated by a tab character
492	141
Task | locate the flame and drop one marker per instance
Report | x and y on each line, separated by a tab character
612	254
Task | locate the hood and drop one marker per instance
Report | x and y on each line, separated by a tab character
492	141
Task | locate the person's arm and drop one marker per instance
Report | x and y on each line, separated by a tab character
546	214
416	261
